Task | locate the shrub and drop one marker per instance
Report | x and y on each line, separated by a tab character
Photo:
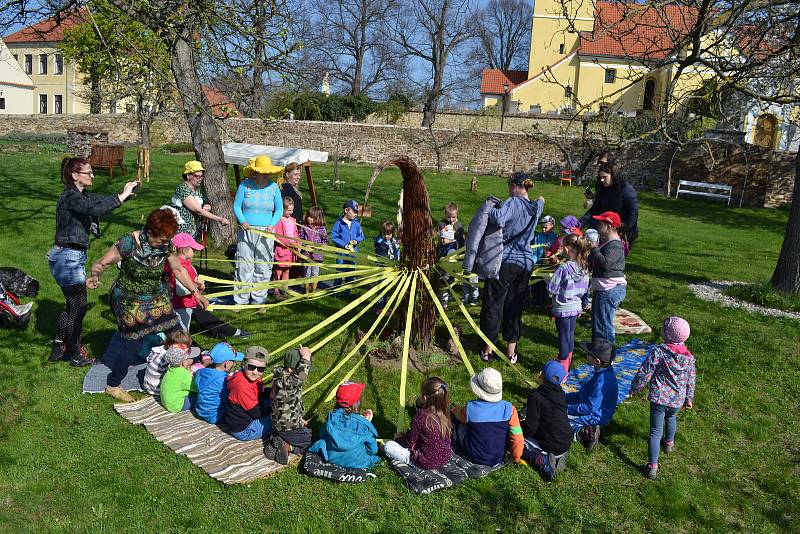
177	148
306	108
359	107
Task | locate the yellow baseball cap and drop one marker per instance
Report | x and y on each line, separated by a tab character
192	166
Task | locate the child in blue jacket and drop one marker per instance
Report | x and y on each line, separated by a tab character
346	232
595	403
348	439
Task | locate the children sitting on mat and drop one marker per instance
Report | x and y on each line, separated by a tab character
177	384
485	428
427	444
567	287
247	412
545	427
285	235
211	382
291	432
670	372
157	364
348	438
595	403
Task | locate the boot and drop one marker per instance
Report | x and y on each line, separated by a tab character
566	363
119	394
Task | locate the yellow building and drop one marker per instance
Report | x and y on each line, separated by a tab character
58	88
578	63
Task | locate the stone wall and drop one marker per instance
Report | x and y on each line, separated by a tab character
760	177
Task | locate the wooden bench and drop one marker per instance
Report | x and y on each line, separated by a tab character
108	156
688	188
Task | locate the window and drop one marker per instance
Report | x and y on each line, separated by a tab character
568	91
42	63
59	64
28	64
2	103
16	58
58	108
561	48
649	95
611	75
43	104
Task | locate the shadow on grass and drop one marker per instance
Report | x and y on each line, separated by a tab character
714	213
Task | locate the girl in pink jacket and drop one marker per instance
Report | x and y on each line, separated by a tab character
285	242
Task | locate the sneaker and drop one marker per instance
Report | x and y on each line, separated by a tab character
57	352
589	436
84	353
650	471
242	334
558	463
514	357
281	450
269	450
119	394
668	446
542	464
81	361
486	357
473	302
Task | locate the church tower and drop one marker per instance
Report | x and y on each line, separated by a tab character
551	36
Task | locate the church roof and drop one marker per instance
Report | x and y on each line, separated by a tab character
631	30
48	30
492	80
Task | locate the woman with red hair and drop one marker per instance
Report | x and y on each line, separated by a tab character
140	298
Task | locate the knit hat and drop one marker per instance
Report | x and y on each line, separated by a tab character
175	356
675	330
569	221
349	393
488	385
257	352
600	348
554	372
291	359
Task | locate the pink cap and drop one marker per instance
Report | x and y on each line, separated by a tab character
183	240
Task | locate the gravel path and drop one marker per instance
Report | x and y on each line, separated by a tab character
713	292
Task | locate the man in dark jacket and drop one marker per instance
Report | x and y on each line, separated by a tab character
546	428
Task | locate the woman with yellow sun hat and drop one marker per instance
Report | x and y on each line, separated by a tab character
257	206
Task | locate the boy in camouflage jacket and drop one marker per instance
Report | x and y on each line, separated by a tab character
290	431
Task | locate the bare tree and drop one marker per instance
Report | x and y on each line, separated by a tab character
503	35
435	31
348	40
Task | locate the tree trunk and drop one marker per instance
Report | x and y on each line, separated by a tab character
95	102
786	277
205	138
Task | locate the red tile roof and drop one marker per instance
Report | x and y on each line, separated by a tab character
623	29
218	100
492	80
48	30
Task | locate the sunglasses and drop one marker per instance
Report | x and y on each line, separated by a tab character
257	368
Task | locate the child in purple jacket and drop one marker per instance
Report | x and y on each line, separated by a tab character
669	370
314	230
569	284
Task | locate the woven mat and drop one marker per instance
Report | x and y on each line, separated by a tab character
627	362
223	457
627	322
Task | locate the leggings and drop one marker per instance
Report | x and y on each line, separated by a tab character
69	325
565	326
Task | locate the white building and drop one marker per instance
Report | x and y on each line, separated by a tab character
16	87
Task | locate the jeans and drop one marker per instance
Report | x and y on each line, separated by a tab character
67	265
604	308
565	326
189	402
258	428
395	451
470	290
253	256
659	414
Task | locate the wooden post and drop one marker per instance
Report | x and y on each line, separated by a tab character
237	174
312	192
143	164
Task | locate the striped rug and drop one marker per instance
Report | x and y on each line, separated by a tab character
223	457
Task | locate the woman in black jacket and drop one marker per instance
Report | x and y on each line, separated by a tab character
613	193
78	214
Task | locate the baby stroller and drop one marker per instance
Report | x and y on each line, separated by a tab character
12	313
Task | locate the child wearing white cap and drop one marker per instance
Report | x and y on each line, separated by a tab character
484	426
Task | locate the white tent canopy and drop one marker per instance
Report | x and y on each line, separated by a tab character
240	153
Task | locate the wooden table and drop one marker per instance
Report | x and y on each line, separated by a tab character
238	154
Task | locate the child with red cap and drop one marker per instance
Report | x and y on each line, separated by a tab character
185	303
670	372
607	263
348	438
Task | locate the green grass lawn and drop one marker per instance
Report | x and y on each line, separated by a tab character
69	463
